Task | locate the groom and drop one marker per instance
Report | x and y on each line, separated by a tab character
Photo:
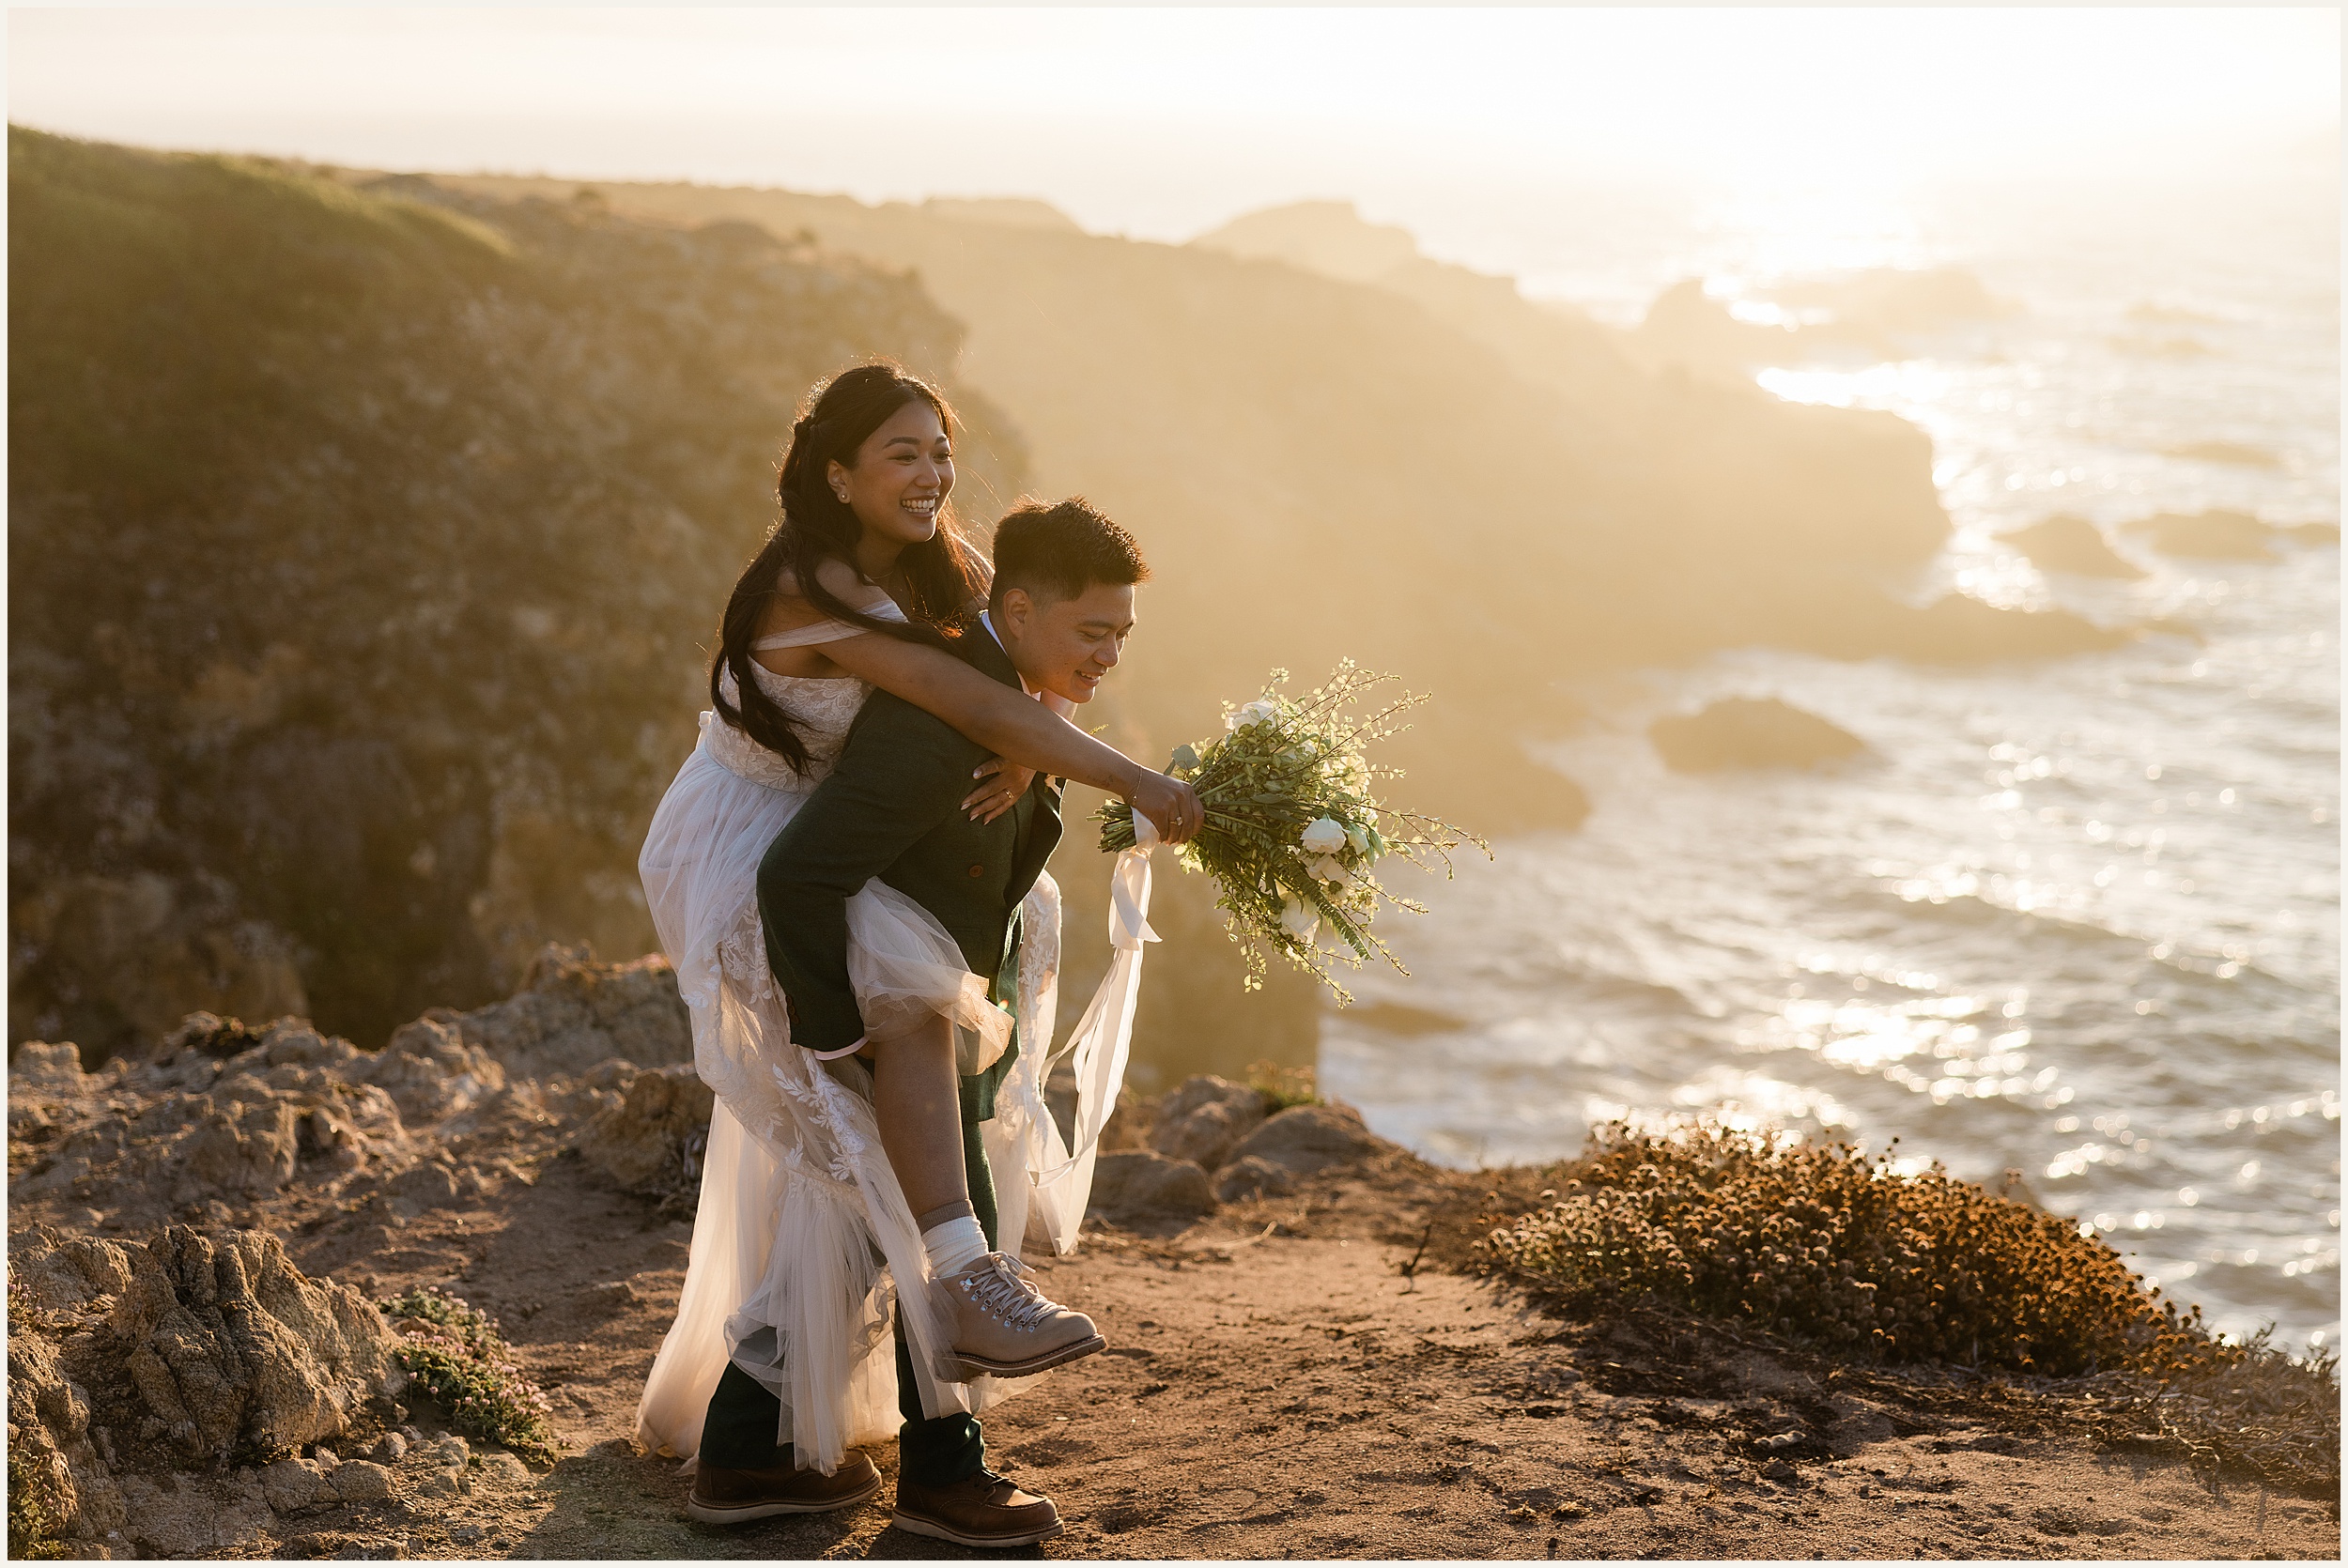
1062	606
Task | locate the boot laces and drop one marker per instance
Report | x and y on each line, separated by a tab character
1001	1289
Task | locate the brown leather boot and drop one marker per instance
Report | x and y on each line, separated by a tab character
1001	1326
982	1509
730	1497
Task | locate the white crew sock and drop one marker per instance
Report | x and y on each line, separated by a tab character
953	1245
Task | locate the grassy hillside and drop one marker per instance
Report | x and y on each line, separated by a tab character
361	550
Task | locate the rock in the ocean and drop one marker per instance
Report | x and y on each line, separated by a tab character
1309	1138
2212	535
1202	1118
1136	1185
2071	544
227	1342
1750	732
652	1140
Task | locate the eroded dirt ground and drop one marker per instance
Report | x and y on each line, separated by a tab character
1277	1387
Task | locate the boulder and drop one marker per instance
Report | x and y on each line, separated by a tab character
291	1485
360	1481
247	1147
2073	546
1202	1118
1253	1176
652	1140
1137	1186
1309	1138
47	1068
228	1342
1750	732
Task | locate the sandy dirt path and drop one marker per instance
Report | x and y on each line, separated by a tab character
1271	1395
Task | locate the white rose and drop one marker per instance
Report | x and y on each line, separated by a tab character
1260	711
1325	836
1299	919
1330	869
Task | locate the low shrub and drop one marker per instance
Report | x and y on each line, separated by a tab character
1834	1248
33	1522
1282	1087
454	1355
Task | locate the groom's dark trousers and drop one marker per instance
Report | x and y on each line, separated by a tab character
892	809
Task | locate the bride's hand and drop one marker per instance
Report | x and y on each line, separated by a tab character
1000	785
1171	806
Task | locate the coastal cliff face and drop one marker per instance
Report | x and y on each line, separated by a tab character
362	552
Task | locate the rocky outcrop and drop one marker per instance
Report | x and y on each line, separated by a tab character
1305	1140
1750	732
220	1115
1267	1158
652	1140
572	1014
1203	1117
135	1373
2073	546
1141	1186
228	1344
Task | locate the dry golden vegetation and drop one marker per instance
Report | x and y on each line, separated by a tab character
1828	1247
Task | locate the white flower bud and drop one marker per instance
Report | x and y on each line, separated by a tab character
1299	918
1325	836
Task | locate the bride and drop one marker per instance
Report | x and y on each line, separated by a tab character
862	584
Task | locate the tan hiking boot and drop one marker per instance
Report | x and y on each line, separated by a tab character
731	1496
980	1510
1001	1326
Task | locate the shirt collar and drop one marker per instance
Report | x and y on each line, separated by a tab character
986	619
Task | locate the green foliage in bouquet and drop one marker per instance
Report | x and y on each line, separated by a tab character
1293	828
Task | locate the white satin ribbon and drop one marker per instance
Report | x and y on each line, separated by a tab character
1100	1045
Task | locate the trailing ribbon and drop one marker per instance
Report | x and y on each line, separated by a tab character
1099	1046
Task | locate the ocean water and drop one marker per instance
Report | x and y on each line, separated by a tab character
2076	918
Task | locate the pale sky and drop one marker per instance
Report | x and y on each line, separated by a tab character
1162	122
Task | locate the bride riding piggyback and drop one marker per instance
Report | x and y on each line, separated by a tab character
848	876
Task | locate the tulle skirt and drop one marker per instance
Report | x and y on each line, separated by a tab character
803	1237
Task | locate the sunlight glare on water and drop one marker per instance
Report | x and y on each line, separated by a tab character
2076	920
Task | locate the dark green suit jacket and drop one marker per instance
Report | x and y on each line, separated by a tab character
892	809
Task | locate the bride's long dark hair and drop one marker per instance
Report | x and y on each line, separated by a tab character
943	574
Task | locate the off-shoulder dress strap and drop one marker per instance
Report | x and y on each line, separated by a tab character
827	630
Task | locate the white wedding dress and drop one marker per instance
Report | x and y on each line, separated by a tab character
802	1231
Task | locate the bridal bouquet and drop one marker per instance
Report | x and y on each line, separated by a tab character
1293	829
